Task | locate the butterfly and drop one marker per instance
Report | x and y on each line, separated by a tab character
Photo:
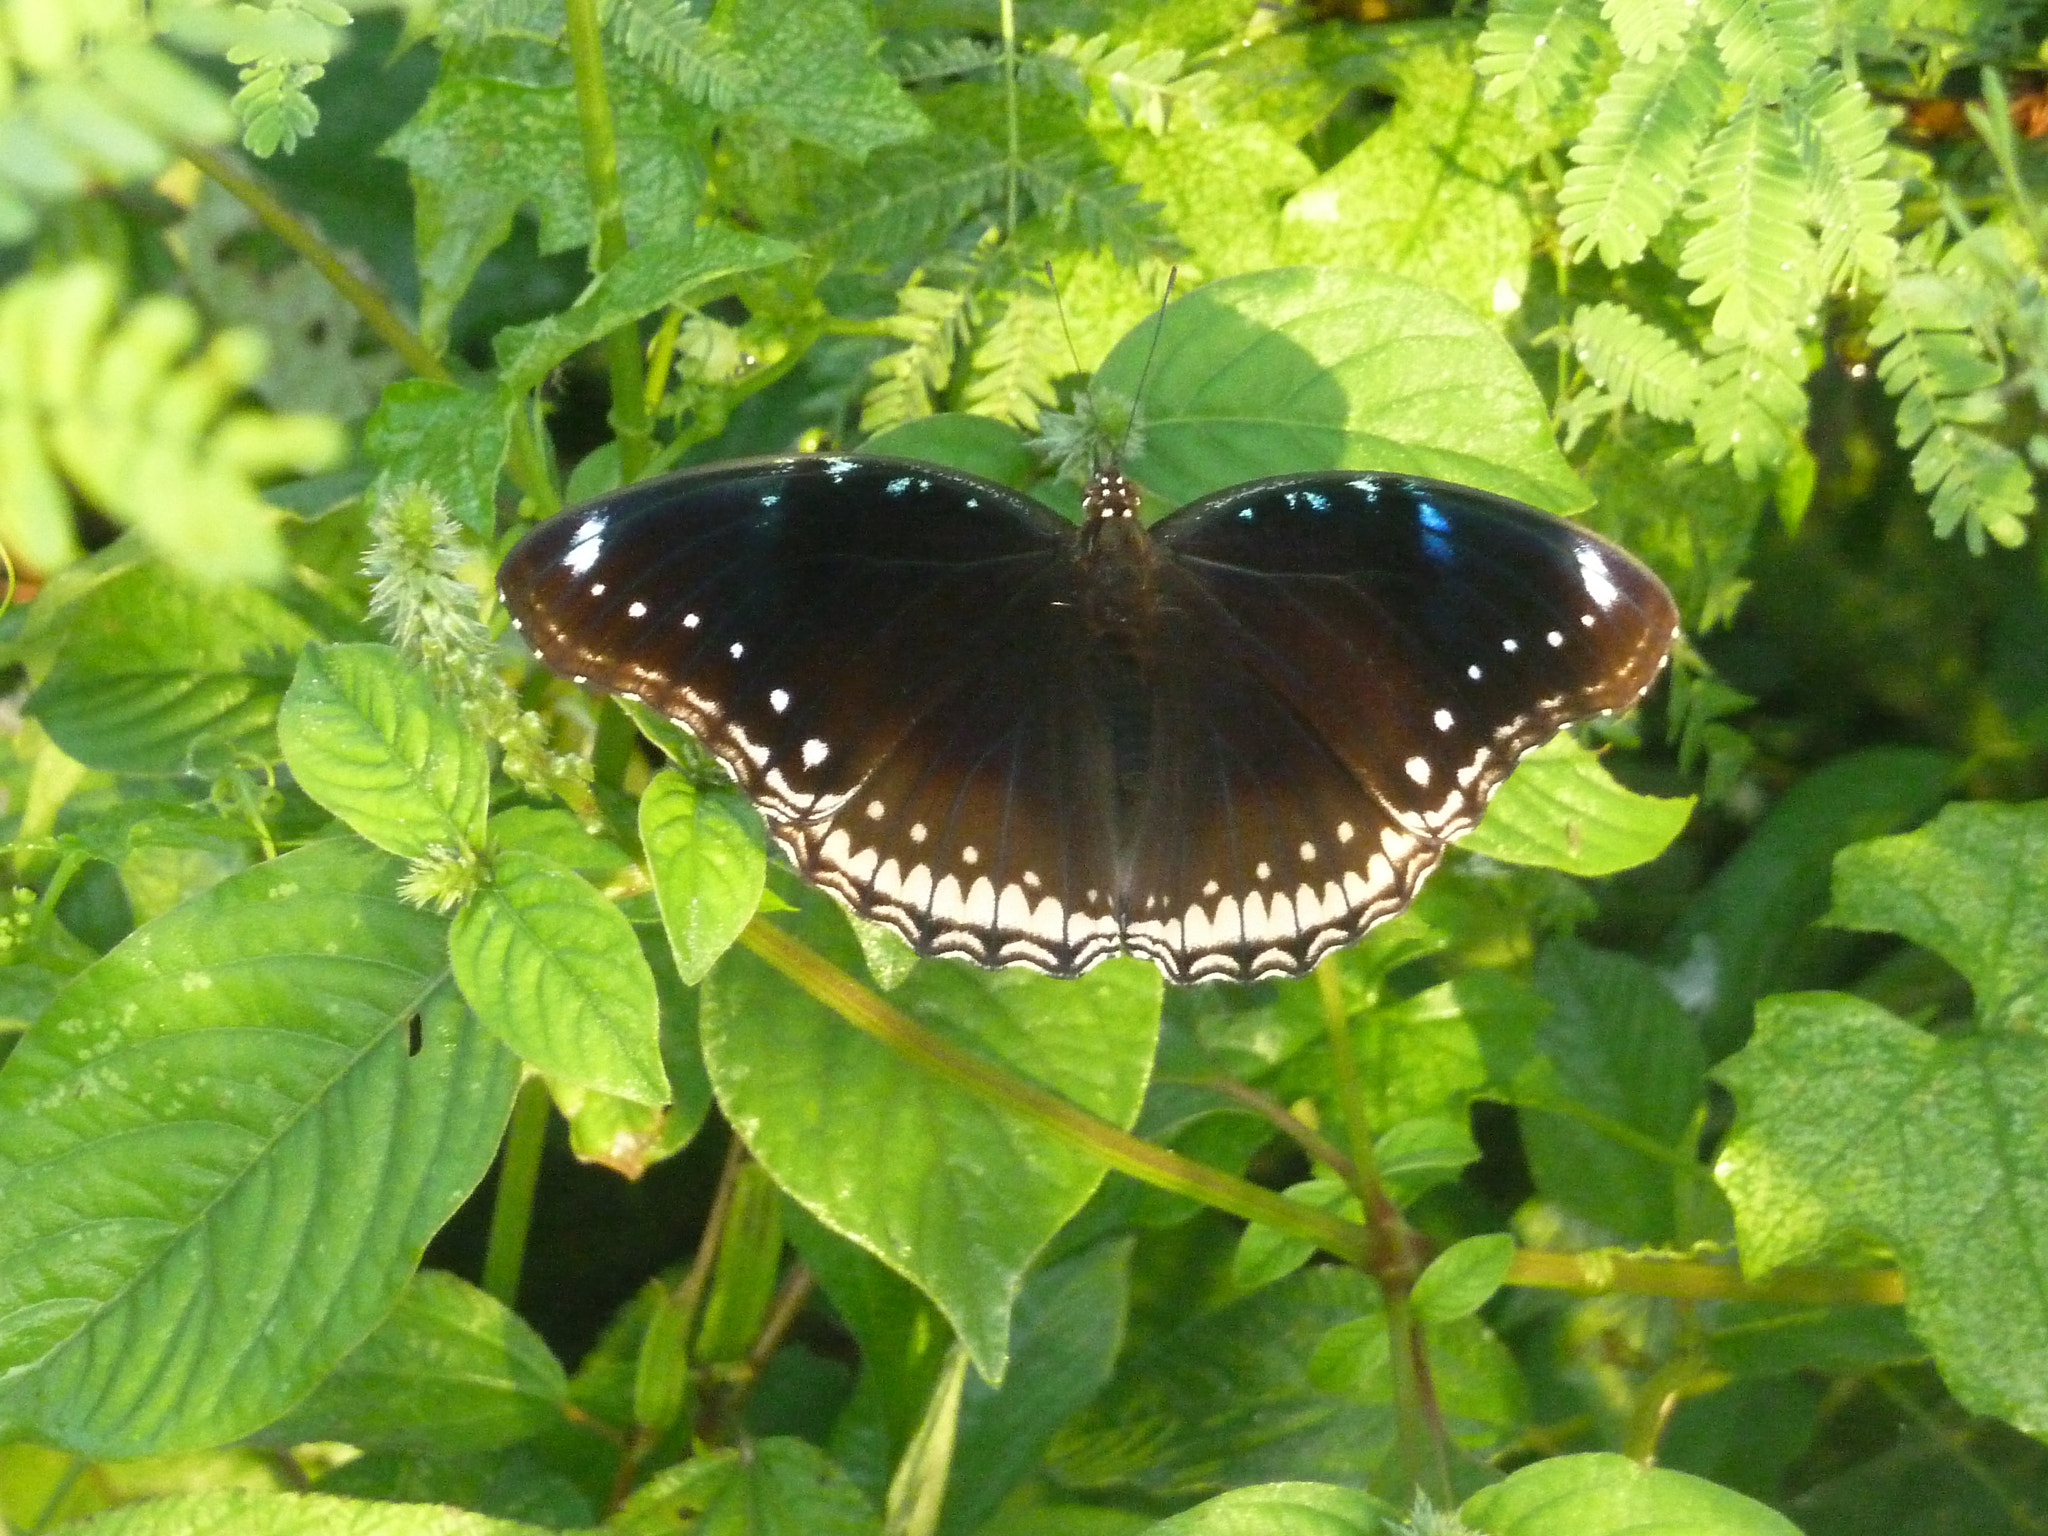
1230	742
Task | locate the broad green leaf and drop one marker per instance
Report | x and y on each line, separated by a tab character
482	147
1972	886
1747	931
1462	1279
554	970
776	1485
1607	1495
1226	1399
449	439
1477	1383
1220	185
248	1513
1334	367
819	80
1264	1254
366	737
156	674
995	450
1562	809
1852	1122
1627	1075
1431	1054
1759	1338
559	835
1283	1509
707	852
1433	193
451	1369
236	1079
513	1482
1069	1327
901	1162
676	267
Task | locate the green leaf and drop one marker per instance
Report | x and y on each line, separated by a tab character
706	850
1219	186
451	1369
1561	809
1415	1156
774	1485
1226	1398
237	1077
1747	931
1754	259
818	79
681	267
553	970
1429	1055
1541	52
1434	194
366	737
1637	361
686	51
1694	523
1754	406
155	673
1843	148
908	1155
1329	367
450	439
1463	1278
1771	46
1283	1509
1606	1495
249	1513
994	450
1645	28
1972	886
1637	157
1265	1254
1068	1330
482	147
1627	1076
1853	1122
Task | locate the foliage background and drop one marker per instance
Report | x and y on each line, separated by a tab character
1730	1161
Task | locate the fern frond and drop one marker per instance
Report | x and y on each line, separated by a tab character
919	63
479	21
1841	137
1753	405
1645	28
683	50
1019	356
1771	46
112	406
1541	52
1076	191
932	323
893	206
1945	374
1631	358
1635	159
1143	88
1754	256
283	48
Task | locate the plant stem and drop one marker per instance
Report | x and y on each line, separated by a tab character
608	214
1276	1114
1605	1272
1061	1118
512	1205
271	211
1009	13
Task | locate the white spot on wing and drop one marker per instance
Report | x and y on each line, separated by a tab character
636	610
815	752
970	854
917	832
1599	583
876	810
690	621
1418	770
1264	871
778	699
1308	852
1345	832
1444	720
736	650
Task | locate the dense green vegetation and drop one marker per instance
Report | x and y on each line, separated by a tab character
1680	1156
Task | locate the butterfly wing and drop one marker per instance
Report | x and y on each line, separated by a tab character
884	655
1358	661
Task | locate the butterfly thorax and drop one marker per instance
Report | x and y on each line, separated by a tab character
1116	559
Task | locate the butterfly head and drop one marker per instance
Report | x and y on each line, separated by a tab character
1109	495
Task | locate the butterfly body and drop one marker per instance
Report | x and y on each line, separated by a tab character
1230	742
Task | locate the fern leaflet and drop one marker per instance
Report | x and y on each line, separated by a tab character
1020	355
111	405
1143	88
1635	158
1753	404
1754	256
1645	28
282	49
1541	52
919	63
1841	138
683	50
932	323
1769	45
1629	357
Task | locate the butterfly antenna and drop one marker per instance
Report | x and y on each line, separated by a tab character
1061	310
1151	352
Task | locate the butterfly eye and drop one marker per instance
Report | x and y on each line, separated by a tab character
1230	743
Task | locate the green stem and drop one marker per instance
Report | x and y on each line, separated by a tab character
608	214
1067	1121
1010	108
512	1206
376	310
